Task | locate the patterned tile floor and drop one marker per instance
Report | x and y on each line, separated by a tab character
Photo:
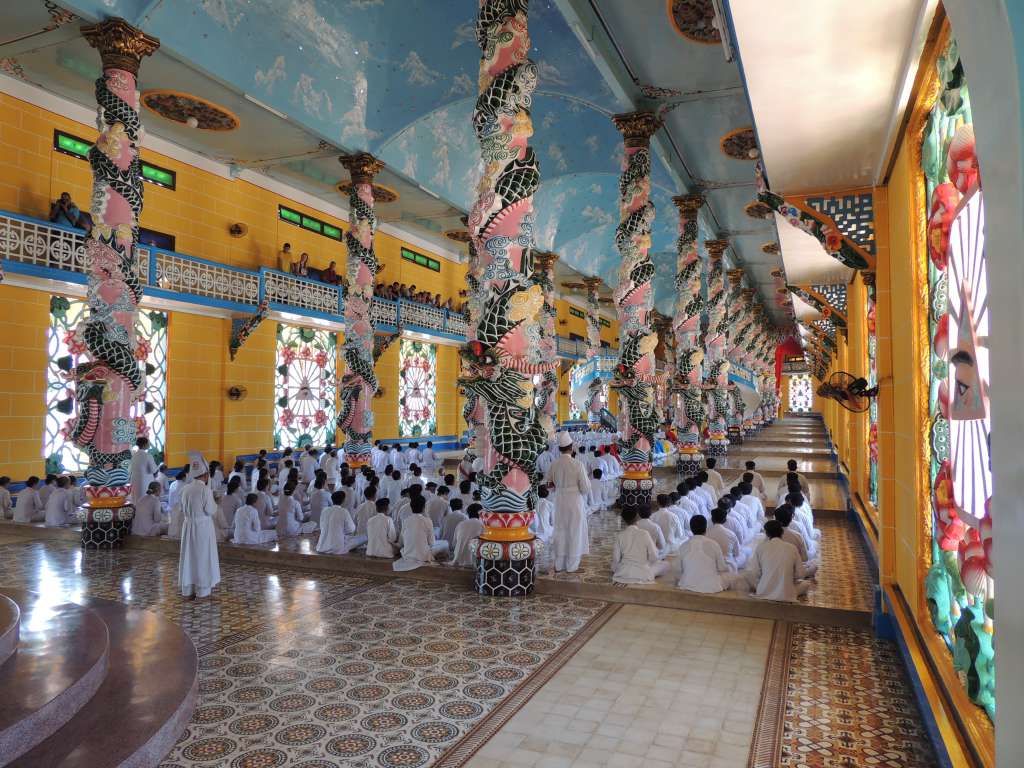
844	700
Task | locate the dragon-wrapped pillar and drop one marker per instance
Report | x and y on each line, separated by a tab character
749	343
737	319
716	364
473	409
596	393
547	394
359	382
689	414
110	379
635	375
503	353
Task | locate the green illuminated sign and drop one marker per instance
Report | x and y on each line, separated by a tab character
424	261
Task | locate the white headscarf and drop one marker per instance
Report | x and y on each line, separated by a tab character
198	466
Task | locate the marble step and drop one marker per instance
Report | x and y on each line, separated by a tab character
142	707
10	619
60	663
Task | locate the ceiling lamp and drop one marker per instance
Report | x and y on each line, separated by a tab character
190	110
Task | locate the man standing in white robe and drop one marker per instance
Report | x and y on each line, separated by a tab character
571	535
143	470
198	564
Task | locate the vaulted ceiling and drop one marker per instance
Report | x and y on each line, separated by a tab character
311	78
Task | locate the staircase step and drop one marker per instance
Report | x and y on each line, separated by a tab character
10	619
60	662
143	705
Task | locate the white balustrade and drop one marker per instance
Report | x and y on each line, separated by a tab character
422	315
182	274
281	288
384	312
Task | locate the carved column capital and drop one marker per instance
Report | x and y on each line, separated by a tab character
121	45
688	205
868	277
716	248
637	127
362	167
544	260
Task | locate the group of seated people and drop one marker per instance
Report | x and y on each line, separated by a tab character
724	538
396	291
53	500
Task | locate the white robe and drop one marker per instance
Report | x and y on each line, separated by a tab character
635	557
543	524
670	528
775	571
224	521
319	500
381	536
336	526
5	504
418	544
141	473
29	508
307	467
654	531
148	521
731	549
428	460
451	521
436	509
198	564
571	535
466	533
247	529
289	517
364	512
58	508
702	566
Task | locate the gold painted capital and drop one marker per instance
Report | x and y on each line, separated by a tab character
121	45
716	248
362	167
544	260
688	205
637	127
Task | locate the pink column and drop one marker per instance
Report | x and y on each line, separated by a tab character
111	380
636	376
503	353
547	398
592	285
359	383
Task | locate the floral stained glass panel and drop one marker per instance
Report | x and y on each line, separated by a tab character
872	446
417	389
64	351
305	387
801	394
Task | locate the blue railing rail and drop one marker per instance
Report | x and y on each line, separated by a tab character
38	248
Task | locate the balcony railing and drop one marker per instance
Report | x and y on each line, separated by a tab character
41	249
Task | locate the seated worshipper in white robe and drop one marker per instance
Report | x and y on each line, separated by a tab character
198	564
760	489
644	523
465	493
784	514
571	539
698	499
702	567
412	454
415	477
405	507
803	522
148	521
742	520
348	485
714	476
775	571
392	487
320	499
367	509
163	476
451	520
735	555
595	497
142	470
546	459
437	507
395	458
238	471
634	556
58	509
429	459
6	505
308	465
224	520
378	457
337	528
381	534
217	481
247	526
330	465
466	534
611	471
543	524
290	520
265	506
668	523
29	507
419	547
707	488
751	498
176	488
805	487
46	489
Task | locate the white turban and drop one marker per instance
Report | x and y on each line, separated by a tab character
564	439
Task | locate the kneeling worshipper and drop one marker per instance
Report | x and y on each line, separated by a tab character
543	523
148	520
646	524
571	538
29	507
805	487
803	522
198	564
757	480
337	528
714	476
775	571
784	515
452	518
290	519
702	567
666	520
224	521
381	534
58	505
437	507
735	555
596	497
419	547
247	526
634	555
466	534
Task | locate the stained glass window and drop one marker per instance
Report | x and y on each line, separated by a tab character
304	387
801	393
872	446
417	389
959	584
65	351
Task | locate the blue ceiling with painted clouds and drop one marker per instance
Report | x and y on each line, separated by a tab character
398	78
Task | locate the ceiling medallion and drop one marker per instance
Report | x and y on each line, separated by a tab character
458	235
193	111
657	92
770	248
381	194
758	210
694	20
740	144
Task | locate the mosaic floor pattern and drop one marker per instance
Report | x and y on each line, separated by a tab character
837	697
